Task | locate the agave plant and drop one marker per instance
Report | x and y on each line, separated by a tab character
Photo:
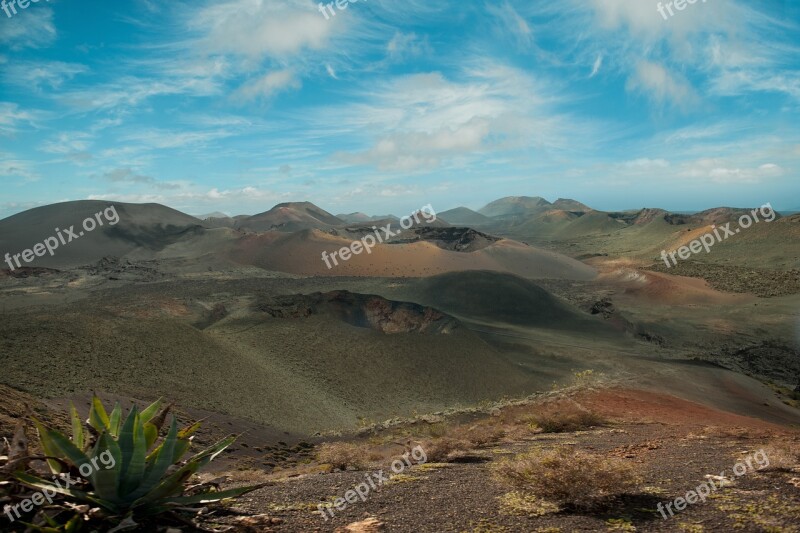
146	476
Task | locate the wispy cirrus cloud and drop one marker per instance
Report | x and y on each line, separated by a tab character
662	85
39	75
128	175
34	30
269	85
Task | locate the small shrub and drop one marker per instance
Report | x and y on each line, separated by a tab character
587	378
484	435
783	457
567	420
478	435
568	478
344	455
445	449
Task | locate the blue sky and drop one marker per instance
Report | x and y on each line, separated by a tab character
236	105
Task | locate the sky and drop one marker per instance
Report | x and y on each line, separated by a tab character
388	106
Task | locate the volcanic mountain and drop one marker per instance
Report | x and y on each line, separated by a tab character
144	229
291	216
515	206
463	216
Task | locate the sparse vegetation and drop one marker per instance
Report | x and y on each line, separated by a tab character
784	457
568	478
561	420
445	449
587	378
522	503
345	455
622	525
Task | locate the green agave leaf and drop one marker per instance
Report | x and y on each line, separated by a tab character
49	447
171	486
105	481
211	497
74	524
150	411
50	521
126	438
187	432
77	495
159	464
57	444
199	499
211	453
150	434
114	420
181	447
135	465
98	418
78	436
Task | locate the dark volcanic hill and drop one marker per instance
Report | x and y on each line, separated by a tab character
463	216
362	310
515	206
293	216
146	228
567	204
497	296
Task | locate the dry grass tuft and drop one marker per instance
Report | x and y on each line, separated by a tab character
566	419
522	503
783	457
344	455
568	477
445	449
479	435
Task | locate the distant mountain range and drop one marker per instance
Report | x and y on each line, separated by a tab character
291	236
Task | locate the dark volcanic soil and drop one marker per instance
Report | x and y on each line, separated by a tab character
673	443
766	283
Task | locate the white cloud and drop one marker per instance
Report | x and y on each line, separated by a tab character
407	45
35	74
661	85
719	170
11	167
597	64
644	164
511	22
33	29
331	72
260	28
67	142
127	175
269	84
130	91
166	139
11	117
435	120
421	150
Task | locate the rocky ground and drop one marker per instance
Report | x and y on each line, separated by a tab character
672	444
766	283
